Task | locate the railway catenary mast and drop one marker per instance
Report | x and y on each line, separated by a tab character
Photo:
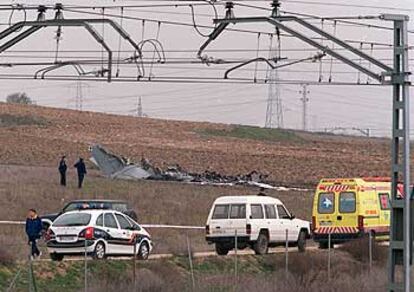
396	76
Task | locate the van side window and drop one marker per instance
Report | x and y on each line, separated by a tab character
256	211
326	203
384	199
283	214
270	212
221	212
238	211
347	202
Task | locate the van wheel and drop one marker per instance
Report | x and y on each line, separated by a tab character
221	249
56	257
261	246
302	241
323	245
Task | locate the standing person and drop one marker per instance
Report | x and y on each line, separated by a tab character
262	192
62	170
81	168
33	230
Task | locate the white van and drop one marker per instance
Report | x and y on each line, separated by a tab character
258	222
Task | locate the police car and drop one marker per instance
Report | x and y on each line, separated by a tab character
100	233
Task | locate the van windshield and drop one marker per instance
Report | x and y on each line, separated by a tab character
326	203
221	212
347	202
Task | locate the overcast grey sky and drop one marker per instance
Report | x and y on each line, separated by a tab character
344	106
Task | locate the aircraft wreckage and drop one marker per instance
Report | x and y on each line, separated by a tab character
119	167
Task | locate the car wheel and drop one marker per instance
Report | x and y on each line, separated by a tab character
302	241
144	251
99	253
56	257
221	249
261	246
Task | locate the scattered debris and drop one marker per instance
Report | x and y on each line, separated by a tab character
119	167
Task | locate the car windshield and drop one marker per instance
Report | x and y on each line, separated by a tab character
77	219
118	206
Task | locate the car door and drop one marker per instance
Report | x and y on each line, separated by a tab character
111	227
126	244
285	223
272	222
237	220
219	222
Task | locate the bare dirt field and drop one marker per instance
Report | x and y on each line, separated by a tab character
32	135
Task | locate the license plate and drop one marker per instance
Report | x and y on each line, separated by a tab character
326	223
218	231
67	238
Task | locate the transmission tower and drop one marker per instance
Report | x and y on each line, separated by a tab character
274	110
140	114
79	95
305	101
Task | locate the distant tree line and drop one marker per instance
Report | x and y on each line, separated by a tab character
19	98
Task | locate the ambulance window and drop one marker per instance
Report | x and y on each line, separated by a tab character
347	202
384	201
238	211
326	203
257	211
221	212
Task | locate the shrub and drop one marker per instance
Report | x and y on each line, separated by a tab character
19	98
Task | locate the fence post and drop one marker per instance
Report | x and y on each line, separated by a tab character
32	281
370	250
134	264
30	273
329	256
86	266
235	261
191	263
287	254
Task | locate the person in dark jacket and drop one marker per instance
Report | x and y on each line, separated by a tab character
62	170
262	192
81	168
33	231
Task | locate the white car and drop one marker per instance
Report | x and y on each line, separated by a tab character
107	233
258	222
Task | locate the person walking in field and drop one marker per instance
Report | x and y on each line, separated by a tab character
81	168
62	170
33	231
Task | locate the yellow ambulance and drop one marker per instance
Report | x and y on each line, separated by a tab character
348	208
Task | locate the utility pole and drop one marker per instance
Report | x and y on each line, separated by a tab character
397	76
305	101
139	108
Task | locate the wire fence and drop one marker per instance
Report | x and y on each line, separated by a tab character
365	246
